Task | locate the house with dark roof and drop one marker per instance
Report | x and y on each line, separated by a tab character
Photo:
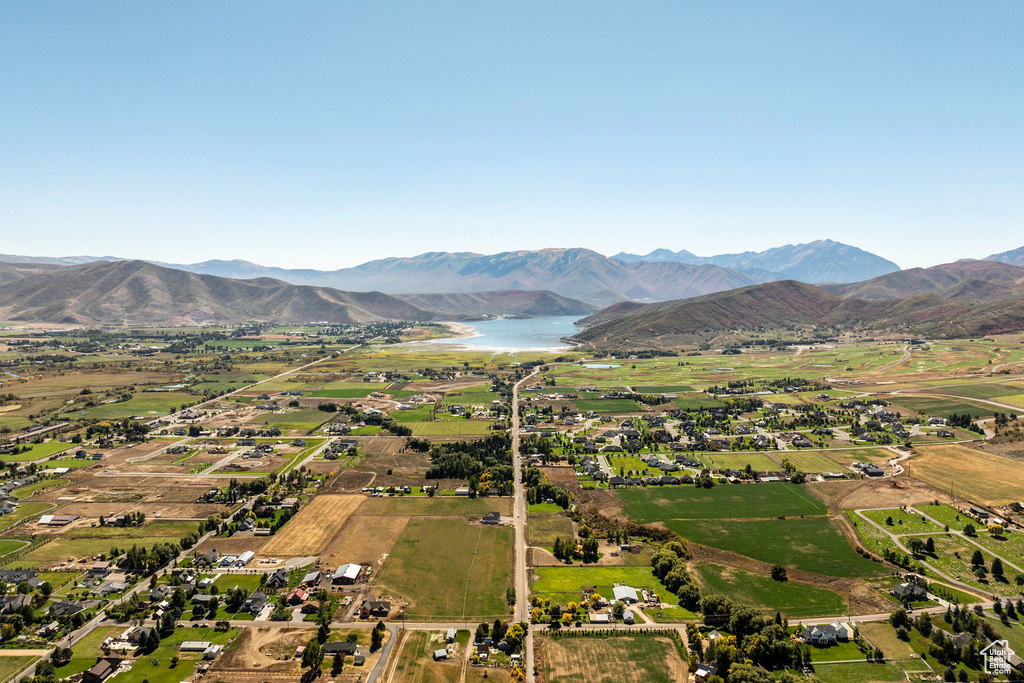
101	670
342	647
255	603
278	579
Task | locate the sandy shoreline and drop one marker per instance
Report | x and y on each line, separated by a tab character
460	330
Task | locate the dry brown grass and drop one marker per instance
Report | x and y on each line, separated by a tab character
314	527
364	540
624	659
973	474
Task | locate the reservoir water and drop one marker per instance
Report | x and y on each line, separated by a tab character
510	334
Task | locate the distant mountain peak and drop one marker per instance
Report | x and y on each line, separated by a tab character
823	260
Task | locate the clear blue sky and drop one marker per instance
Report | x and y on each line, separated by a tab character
327	134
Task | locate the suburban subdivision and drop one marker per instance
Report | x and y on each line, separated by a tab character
373	502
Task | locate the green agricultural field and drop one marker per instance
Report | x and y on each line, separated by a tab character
451	428
953	557
986	390
565	584
419	415
695	402
544	529
813	544
860	672
872	537
41	485
793	599
664	389
810	461
740	501
728	460
39	451
943	407
24	511
295	419
9	545
608	405
447	569
143	404
902	522
354	392
9	666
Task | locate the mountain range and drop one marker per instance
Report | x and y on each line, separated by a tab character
138	292
577	273
814	262
962	299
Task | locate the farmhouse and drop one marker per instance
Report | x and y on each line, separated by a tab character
910	591
279	579
625	594
347	573
101	670
827	634
255	603
492	518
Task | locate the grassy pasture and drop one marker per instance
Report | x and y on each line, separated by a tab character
416	665
442	506
24	511
39	451
810	461
608	405
565	584
813	544
294	419
977	476
663	389
144	404
618	659
447	569
451	428
9	666
648	505
725	460
903	522
991	390
544	529
942	407
789	597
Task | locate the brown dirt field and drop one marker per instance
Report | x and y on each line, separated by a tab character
309	532
860	596
261	649
407	465
564	476
232	545
575	659
364	540
886	493
95	496
606	503
347	479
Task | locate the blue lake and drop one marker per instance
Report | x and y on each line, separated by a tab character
508	334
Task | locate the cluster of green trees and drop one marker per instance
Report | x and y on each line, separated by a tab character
755	639
462	459
669	567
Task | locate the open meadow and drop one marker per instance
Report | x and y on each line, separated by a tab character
448	569
611	659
